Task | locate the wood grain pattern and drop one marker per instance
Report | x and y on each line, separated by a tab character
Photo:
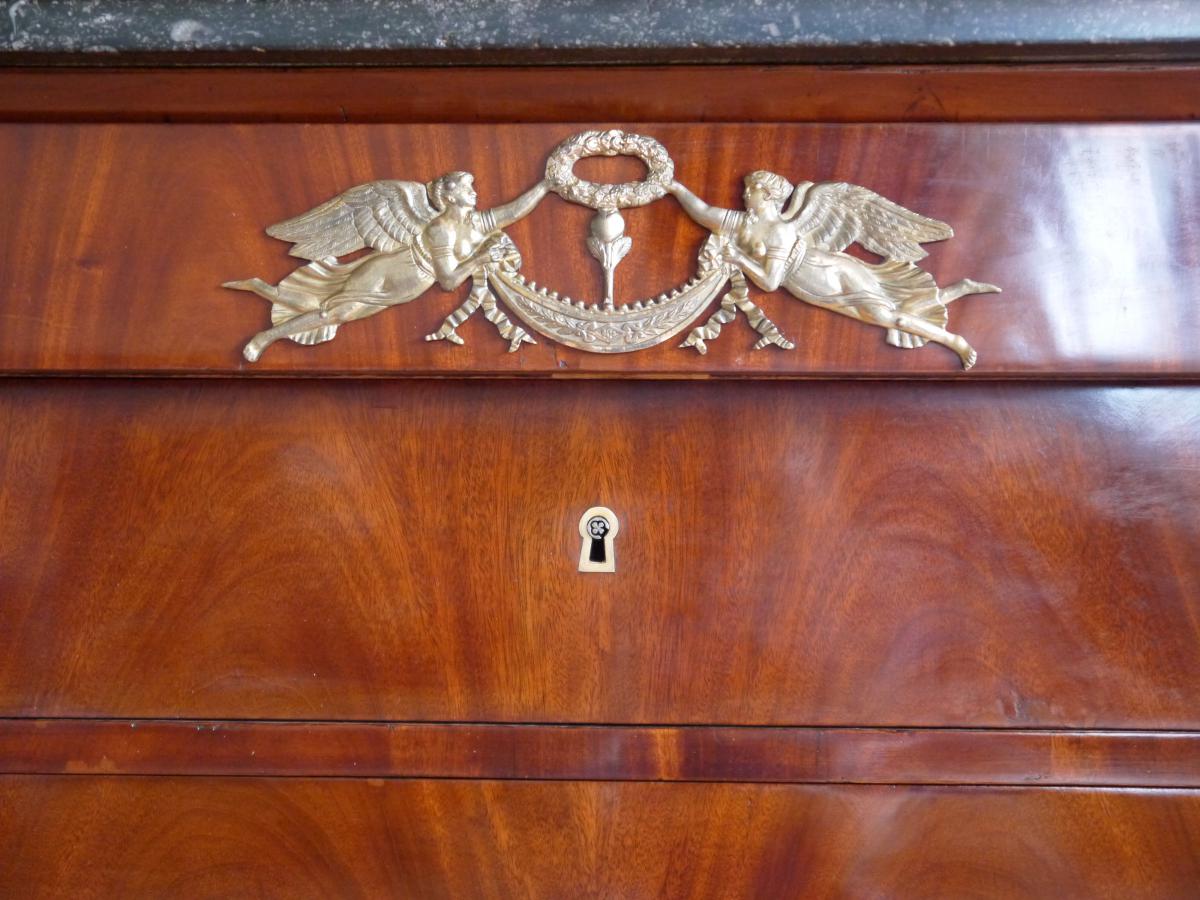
607	753
116	239
298	838
816	554
1046	93
1017	565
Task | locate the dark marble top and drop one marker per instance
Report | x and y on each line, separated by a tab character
540	31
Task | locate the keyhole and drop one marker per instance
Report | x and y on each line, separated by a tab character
597	528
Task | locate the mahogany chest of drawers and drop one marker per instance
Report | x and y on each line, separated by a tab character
314	626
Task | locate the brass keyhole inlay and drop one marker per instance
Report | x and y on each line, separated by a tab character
597	529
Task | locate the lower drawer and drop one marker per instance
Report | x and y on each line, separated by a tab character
964	554
83	836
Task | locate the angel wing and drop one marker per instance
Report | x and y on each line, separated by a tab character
383	215
835	214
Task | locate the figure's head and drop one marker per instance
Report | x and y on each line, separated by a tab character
765	189
452	189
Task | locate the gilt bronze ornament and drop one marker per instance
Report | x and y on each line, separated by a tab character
788	236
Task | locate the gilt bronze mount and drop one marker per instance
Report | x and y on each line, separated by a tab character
788	236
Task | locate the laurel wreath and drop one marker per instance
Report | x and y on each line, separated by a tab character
563	181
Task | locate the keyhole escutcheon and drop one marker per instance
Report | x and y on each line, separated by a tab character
597	528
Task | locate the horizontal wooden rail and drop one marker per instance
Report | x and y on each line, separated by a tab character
741	93
597	752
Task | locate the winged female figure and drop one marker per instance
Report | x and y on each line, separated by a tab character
418	235
800	249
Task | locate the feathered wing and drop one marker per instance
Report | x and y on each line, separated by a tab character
383	215
835	215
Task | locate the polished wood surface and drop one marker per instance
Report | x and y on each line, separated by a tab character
116	239
92	837
797	554
736	93
606	753
320	638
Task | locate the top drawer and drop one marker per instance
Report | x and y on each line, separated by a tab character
116	239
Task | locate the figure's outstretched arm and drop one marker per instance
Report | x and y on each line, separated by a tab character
711	217
504	215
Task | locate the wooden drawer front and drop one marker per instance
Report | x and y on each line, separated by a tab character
300	838
846	554
116	238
